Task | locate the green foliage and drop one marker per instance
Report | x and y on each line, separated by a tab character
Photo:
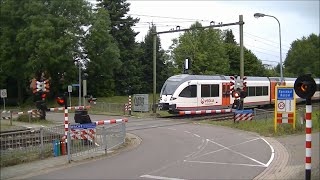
204	47
303	57
147	63
40	36
128	77
103	54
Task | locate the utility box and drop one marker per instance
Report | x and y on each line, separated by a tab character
82	117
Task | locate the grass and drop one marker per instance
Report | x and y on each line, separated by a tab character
266	127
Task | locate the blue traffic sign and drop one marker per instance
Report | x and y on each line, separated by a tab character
74	85
249	111
83	126
285	94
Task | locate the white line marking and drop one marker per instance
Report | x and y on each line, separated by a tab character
187	132
196	135
226	148
235	164
272	152
159	177
172	129
238	153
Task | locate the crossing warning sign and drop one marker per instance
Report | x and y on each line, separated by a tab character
285	105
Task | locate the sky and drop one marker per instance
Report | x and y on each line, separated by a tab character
261	35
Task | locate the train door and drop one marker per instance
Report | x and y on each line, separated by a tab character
225	94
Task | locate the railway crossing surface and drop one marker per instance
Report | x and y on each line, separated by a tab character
173	149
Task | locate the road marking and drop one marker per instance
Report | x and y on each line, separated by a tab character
187	132
235	164
272	152
196	135
238	153
226	148
172	129
159	177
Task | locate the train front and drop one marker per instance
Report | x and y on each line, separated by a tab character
168	88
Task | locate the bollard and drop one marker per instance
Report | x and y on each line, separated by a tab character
63	147
55	148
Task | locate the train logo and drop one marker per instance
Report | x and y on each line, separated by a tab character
207	101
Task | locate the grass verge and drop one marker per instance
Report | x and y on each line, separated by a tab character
266	127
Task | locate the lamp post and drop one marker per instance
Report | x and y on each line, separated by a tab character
257	15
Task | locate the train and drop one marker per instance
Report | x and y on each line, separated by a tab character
185	92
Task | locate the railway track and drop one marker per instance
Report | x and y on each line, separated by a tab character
25	138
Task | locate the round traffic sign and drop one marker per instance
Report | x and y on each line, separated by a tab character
3	93
281	105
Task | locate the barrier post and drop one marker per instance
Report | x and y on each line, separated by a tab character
129	105
308	138
42	144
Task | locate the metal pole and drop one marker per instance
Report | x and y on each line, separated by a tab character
241	47
281	71
308	138
84	92
79	83
241	55
154	68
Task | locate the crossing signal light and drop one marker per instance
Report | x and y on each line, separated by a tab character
61	100
236	93
43	96
305	86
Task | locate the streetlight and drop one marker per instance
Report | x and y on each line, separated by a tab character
257	15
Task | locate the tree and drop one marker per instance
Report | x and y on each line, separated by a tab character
204	47
252	66
147	63
127	78
303	57
103	54
40	36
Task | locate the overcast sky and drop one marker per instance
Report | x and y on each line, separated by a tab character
261	35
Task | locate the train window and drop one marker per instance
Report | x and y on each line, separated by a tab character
189	91
251	91
215	90
265	90
259	91
205	90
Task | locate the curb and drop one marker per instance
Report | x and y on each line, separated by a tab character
276	170
28	170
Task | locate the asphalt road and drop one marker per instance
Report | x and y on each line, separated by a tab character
176	149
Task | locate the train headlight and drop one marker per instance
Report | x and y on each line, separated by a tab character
172	98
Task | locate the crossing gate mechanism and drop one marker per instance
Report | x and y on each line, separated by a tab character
243	115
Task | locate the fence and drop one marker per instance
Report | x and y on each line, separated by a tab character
84	142
116	108
28	145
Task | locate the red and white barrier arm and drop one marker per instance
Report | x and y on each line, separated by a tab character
181	113
112	121
69	108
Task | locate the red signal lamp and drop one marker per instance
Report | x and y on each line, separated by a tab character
236	94
43	96
61	101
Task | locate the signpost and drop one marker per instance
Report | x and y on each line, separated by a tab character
3	93
70	91
285	106
141	102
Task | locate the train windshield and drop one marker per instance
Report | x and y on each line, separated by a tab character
169	87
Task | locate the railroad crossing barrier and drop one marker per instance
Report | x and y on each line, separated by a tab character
86	139
221	111
243	115
70	108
